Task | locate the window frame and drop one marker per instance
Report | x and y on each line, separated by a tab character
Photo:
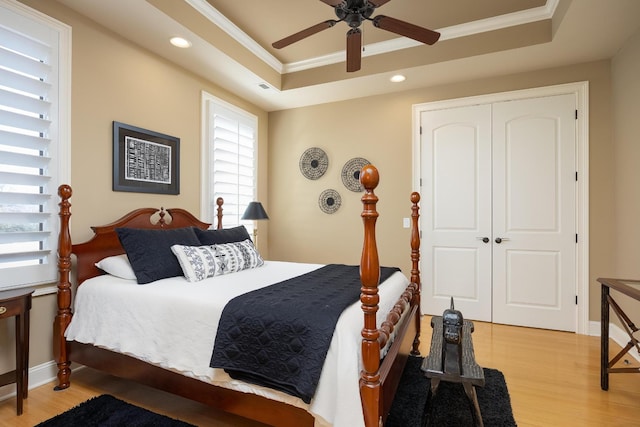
35	24
208	207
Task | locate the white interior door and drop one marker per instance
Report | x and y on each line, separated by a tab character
503	171
456	210
534	199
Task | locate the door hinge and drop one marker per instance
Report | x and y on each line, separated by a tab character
420	182
576	299
576	237
420	130
576	175
576	114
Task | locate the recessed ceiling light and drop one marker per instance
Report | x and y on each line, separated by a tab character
180	42
398	78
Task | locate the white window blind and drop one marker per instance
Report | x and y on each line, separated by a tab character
30	148
232	161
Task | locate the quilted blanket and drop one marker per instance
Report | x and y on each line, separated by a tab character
279	336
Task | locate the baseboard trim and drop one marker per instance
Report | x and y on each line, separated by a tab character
38	375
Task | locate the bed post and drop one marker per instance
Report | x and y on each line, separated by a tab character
370	277
219	202
63	316
415	267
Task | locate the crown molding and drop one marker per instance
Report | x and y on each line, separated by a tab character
447	33
213	15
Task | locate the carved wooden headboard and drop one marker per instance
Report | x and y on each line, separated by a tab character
105	240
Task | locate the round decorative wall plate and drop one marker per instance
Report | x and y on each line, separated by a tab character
314	163
329	201
351	173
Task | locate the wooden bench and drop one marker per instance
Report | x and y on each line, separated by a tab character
470	374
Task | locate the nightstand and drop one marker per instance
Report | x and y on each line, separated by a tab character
17	303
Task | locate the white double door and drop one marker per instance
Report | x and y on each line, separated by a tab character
499	211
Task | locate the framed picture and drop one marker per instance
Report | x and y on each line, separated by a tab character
145	161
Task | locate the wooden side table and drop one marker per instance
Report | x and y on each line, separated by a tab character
630	288
17	303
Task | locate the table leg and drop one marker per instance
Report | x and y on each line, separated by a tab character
604	338
25	353
19	362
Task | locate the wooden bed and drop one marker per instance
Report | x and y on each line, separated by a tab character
378	379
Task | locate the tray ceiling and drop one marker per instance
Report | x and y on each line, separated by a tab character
232	42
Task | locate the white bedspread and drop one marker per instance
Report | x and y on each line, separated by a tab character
172	323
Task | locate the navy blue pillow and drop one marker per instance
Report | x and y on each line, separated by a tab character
224	235
149	251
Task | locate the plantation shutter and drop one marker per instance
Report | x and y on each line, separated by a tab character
29	149
233	159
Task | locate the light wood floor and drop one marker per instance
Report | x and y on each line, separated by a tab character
553	379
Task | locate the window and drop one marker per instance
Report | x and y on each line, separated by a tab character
34	128
229	161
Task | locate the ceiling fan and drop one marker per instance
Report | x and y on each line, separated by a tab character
354	12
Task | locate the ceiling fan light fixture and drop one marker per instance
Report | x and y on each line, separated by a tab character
398	78
354	12
180	42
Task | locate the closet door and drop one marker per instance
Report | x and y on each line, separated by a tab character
499	211
534	212
456	210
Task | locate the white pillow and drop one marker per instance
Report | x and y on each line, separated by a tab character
118	266
201	262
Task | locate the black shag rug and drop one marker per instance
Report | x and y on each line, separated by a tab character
107	411
450	406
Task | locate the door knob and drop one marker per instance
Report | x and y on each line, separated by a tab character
484	239
501	239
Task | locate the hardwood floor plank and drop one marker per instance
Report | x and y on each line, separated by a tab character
553	379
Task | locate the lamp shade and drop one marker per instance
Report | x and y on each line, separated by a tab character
255	211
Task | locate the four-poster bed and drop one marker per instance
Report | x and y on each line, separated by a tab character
388	337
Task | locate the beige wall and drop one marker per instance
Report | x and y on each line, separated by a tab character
113	79
626	206
152	93
380	129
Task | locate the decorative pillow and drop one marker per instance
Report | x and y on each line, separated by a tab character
224	235
118	266
201	262
149	251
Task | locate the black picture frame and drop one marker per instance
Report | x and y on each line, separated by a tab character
145	161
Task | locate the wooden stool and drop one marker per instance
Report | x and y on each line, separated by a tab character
17	303
471	375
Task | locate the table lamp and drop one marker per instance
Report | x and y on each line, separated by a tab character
255	212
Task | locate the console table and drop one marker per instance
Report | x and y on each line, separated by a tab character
630	288
17	303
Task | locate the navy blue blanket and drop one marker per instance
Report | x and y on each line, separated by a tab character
278	336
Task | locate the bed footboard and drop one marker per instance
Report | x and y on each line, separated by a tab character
379	380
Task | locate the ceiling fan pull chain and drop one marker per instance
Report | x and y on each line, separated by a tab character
363	43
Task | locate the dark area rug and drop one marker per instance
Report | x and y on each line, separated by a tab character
450	406
107	411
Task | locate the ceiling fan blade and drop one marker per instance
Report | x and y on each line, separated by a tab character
406	29
304	34
354	49
333	3
378	3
